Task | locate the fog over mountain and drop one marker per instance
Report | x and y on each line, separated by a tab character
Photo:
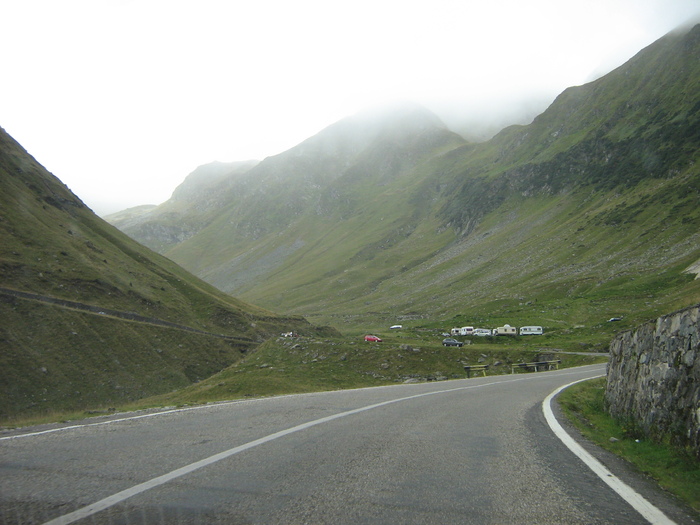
122	120
390	211
589	212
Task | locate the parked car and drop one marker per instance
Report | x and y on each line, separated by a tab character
482	332
373	339
451	342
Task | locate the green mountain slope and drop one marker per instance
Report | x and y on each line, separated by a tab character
280	207
590	212
639	122
101	319
193	205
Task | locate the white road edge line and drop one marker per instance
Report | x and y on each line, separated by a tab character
637	501
117	498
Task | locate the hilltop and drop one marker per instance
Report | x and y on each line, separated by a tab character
192	206
592	211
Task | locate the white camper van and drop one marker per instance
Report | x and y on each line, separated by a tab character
482	332
466	330
455	331
530	330
505	330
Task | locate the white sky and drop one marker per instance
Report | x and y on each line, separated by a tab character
122	99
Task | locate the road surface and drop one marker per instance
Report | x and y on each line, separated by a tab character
467	451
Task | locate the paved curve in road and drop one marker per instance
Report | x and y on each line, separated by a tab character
466	451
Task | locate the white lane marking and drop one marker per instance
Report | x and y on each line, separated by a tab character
637	501
114	499
235	402
83	425
137	489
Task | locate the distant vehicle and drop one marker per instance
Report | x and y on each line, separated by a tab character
531	330
455	331
451	342
614	319
505	330
466	330
373	339
395	327
482	332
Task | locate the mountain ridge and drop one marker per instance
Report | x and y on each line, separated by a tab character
613	112
319	178
606	159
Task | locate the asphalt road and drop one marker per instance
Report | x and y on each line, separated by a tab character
469	451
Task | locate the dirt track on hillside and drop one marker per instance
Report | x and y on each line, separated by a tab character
128	316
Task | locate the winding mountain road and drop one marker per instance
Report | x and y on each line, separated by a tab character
466	451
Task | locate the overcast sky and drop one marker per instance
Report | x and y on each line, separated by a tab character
122	99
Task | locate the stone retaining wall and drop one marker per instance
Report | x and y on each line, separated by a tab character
654	378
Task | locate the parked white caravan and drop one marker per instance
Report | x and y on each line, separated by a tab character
455	331
466	330
530	330
505	330
482	332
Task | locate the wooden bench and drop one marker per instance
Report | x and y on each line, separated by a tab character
536	366
476	368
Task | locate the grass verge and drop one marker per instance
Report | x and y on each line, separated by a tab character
675	470
311	364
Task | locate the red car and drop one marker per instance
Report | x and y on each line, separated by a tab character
373	339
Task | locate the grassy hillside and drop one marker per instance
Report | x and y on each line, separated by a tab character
590	212
191	207
309	364
93	349
639	122
286	204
